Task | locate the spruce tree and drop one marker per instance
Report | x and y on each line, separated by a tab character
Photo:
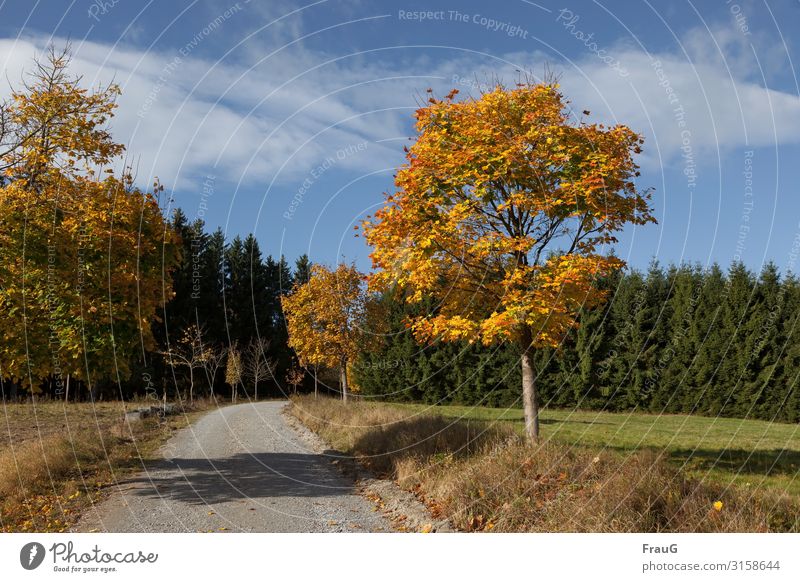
302	270
279	282
765	347
685	283
707	336
211	302
737	325
237	293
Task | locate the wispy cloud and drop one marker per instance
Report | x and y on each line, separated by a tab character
255	119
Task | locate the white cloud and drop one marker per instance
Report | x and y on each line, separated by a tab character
722	109
181	120
246	122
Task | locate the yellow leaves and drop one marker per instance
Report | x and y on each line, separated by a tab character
491	186
520	244
325	317
46	513
82	233
499	326
451	328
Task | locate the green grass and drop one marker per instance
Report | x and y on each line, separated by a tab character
750	453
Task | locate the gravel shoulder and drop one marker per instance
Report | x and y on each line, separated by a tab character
242	469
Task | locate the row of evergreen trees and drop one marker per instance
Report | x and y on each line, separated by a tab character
676	340
232	293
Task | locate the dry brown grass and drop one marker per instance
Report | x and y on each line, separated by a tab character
385	438
485	478
56	458
21	422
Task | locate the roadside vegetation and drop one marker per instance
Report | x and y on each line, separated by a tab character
750	453
57	459
483	475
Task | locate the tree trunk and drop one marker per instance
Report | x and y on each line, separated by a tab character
316	390
344	380
255	390
530	400
66	390
191	385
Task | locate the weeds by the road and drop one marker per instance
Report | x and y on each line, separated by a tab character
484	477
56	458
729	451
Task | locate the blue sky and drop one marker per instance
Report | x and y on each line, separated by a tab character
287	119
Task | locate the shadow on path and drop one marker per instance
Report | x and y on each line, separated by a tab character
241	476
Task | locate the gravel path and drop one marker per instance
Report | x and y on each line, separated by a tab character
240	468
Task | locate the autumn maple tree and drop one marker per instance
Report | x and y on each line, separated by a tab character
234	371
504	213
83	252
326	318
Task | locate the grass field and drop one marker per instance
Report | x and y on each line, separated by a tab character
57	459
473	467
750	453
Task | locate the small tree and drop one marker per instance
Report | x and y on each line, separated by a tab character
501	215
257	366
233	371
215	357
189	353
326	318
316	380
295	377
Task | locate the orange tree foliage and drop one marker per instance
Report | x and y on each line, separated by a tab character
327	317
504	212
84	256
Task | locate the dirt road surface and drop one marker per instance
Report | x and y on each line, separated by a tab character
242	469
